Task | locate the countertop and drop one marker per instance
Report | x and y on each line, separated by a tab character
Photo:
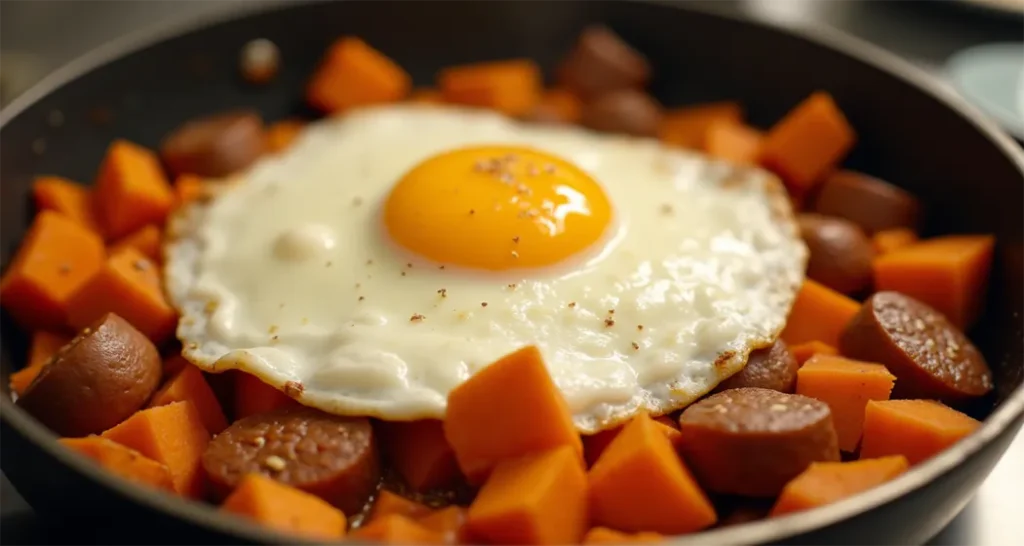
924	32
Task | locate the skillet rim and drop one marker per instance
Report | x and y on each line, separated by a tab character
770	530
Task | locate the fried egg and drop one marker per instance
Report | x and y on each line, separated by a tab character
393	252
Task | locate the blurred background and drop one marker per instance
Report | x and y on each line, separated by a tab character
973	47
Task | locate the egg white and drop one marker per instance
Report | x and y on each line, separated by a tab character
287	274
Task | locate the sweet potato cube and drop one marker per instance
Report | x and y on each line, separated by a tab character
146	240
396	529
391	503
420	453
128	285
354	74
846	386
57	257
811	139
189	188
68	198
916	429
122	461
825	483
819	314
189	384
253	396
733	142
595	444
508	409
604	535
282	134
539	498
131	190
640	484
284	508
948	273
688	126
512	87
803	352
449	522
891	240
173	435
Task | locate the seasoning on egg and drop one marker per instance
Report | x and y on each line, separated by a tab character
416	317
443	292
636	346
609	322
483	304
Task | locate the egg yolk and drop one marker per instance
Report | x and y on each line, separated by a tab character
496	208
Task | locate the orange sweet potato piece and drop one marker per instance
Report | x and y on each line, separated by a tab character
188	188
396	529
57	257
44	345
640	484
802	352
131	190
280	135
540	498
595	444
426	95
253	396
189	384
449	522
506	410
604	535
128	285
825	483
66	197
916	429
948	273
819	314
173	365
511	87
284	508
559	105
354	74
146	241
122	461
732	141
846	386
811	139
392	503
890	240
420	453
173	435
688	126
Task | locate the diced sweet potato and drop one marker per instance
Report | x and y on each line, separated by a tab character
819	314
57	257
68	198
512	87
173	365
173	435
282	134
604	535
189	384
131	190
44	345
396	529
558	105
916	429
146	241
426	95
285	508
354	74
189	188
688	126
732	141
122	461
253	396
811	139
891	240
420	453
507	410
948	273
450	522
825	483
391	503
595	444
802	352
536	499
640	484
846	386
128	285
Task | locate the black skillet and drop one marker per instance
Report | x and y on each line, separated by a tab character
911	133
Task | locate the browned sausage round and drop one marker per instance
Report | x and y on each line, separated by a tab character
769	368
216	145
630	112
105	374
330	456
602	62
872	204
929	356
751	441
841	253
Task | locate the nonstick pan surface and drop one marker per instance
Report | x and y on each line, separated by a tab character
970	176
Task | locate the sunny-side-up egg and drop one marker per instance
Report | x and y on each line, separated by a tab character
392	253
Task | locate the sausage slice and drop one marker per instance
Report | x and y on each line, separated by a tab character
330	456
751	441
769	368
628	111
872	204
214	146
100	378
602	62
930	357
841	253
